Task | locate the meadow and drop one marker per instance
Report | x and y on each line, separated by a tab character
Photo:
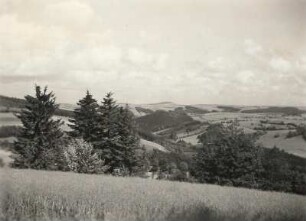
43	195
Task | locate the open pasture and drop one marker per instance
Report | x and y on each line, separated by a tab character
42	195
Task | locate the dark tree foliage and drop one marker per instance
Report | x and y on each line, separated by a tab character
132	154
85	120
9	131
108	146
40	141
283	172
118	142
228	157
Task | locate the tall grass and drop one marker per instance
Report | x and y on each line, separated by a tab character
41	195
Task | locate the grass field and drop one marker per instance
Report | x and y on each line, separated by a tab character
294	145
42	195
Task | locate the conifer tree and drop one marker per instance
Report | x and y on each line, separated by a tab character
133	155
108	145
39	144
85	121
118	143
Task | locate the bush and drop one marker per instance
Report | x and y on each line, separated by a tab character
228	157
81	158
291	134
1	162
9	131
300	130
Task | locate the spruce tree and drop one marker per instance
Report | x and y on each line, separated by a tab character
118	143
39	144
133	155
85	121
108	145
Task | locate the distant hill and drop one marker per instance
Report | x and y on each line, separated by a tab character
279	110
12	104
195	110
229	108
160	120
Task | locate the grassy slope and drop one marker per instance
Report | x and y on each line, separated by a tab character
149	146
60	196
295	145
16	104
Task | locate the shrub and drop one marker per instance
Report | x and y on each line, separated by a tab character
300	130
291	134
81	158
1	162
9	131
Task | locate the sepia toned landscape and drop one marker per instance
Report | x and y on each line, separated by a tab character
152	110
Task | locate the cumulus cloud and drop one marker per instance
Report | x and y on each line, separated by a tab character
180	55
280	64
69	13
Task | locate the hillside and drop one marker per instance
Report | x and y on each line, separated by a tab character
161	119
11	104
166	123
40	196
281	110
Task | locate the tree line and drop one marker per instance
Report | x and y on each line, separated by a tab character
102	137
230	157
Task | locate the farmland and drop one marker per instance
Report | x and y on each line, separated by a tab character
187	122
42	195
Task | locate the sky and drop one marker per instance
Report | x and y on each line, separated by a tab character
240	52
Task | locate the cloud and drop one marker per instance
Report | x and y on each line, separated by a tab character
251	47
155	50
246	77
71	14
280	64
220	64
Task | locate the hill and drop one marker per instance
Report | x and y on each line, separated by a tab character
161	119
166	123
11	104
38	195
281	110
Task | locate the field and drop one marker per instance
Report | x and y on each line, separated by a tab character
42	195
294	145
249	122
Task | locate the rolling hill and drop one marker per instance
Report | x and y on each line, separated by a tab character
166	123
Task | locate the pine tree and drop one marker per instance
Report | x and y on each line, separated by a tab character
39	144
85	121
133	156
118	143
108	146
